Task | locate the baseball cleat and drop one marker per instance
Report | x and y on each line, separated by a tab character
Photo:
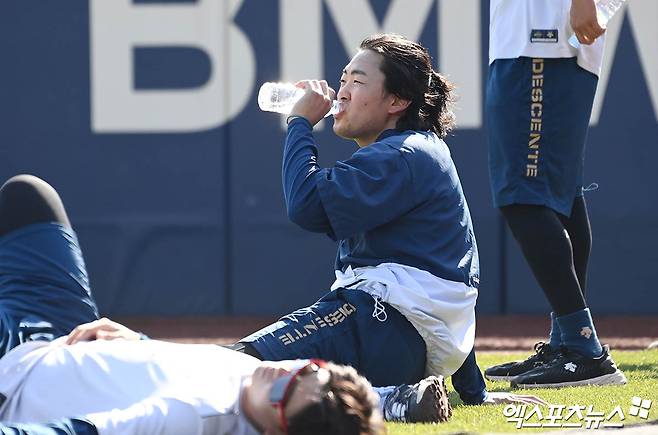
423	402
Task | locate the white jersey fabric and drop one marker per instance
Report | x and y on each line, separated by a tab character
511	27
442	311
128	387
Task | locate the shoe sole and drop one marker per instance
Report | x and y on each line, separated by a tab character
616	378
500	378
432	400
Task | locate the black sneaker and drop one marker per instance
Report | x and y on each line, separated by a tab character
571	369
423	402
508	371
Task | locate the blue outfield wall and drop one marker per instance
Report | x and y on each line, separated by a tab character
143	115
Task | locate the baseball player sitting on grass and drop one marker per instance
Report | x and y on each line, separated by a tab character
132	386
407	266
407	270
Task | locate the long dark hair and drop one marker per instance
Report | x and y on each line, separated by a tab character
407	67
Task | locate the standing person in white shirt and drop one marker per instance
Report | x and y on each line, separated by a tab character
132	386
539	100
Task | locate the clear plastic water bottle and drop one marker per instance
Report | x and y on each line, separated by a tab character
605	9
281	97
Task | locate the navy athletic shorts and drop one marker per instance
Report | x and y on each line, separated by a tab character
44	288
346	327
538	112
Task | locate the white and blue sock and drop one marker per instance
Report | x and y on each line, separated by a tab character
383	393
578	333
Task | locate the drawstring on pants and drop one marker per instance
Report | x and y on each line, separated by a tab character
379	312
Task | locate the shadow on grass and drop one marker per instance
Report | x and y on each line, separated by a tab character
454	399
647	368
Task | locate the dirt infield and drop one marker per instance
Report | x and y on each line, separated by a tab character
493	332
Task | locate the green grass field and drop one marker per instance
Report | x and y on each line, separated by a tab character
640	367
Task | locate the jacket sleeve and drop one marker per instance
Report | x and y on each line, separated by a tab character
300	176
371	188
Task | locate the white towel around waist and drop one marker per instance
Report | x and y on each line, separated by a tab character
442	311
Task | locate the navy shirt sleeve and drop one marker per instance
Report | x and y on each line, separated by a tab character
371	188
300	175
468	381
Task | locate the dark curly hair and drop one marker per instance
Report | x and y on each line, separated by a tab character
348	406
407	67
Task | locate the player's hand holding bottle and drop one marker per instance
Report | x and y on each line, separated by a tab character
584	21
316	102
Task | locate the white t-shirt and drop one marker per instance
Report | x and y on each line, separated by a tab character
128	387
538	28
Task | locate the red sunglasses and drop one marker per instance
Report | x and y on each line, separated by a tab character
283	386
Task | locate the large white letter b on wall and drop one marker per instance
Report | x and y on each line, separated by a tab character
119	26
